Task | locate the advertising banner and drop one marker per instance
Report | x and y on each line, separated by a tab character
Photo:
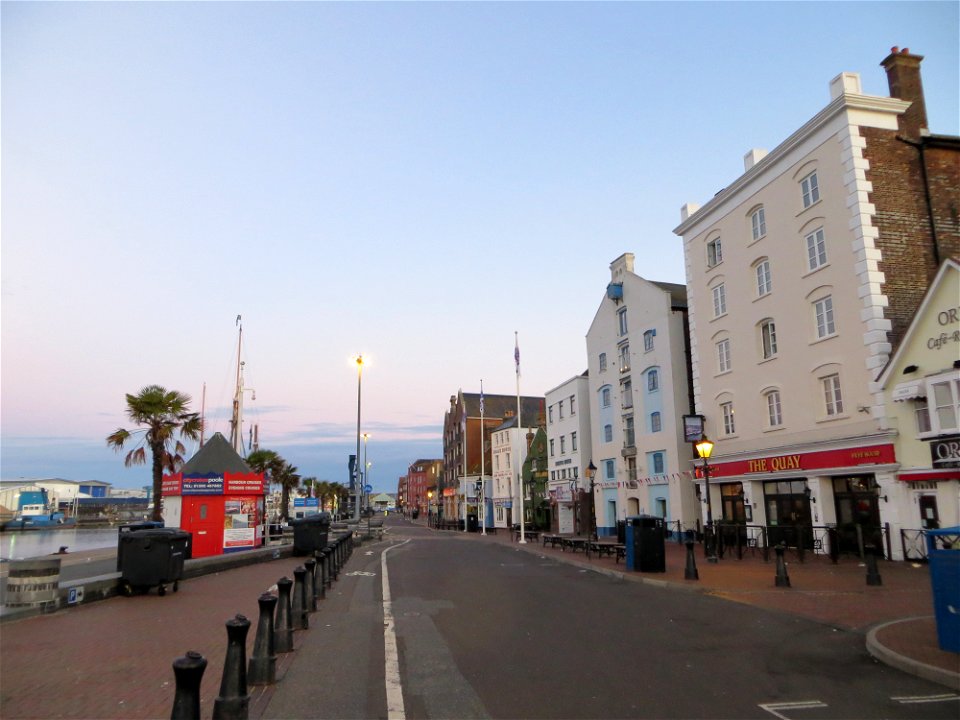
240	520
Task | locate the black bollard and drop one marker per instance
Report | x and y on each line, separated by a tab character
262	669
873	573
783	580
283	627
188	671
319	584
233	703
310	564
690	572
335	567
328	566
300	619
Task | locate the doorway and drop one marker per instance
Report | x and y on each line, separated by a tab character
788	513
857	500
929	515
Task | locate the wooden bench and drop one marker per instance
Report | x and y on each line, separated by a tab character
551	538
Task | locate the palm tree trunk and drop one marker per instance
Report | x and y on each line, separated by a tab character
157	450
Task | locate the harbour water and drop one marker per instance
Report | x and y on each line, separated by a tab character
35	543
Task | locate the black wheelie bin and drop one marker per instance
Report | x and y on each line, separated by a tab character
152	557
310	533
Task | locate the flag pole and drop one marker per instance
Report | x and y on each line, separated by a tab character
516	357
482	510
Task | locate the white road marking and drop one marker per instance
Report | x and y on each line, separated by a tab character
915	699
362	573
394	685
772	708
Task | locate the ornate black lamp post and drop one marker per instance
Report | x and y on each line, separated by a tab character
591	472
704	450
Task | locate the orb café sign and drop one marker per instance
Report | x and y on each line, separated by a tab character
851	457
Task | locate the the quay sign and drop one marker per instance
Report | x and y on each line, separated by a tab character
945	453
793	462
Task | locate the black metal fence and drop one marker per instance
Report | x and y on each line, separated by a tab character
739	540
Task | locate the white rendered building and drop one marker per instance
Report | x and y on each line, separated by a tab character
508	454
639	391
570	452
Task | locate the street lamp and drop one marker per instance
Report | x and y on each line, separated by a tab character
429	505
366	469
357	489
591	472
574	490
704	450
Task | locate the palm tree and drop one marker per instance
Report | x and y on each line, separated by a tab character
267	462
162	415
324	492
288	479
309	487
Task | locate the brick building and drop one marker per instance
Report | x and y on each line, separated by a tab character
802	278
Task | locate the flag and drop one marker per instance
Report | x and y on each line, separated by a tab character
516	352
481	397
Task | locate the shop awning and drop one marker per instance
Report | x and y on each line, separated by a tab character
909	390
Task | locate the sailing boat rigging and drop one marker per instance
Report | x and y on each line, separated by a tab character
236	420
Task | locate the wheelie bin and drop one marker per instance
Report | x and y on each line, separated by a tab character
310	533
152	558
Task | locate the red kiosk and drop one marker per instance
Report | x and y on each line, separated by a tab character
218	499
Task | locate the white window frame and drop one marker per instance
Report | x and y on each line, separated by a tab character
723	356
603	362
573	441
823	316
605	396
774	409
622	322
626	394
648	340
832	395
939	404
551	447
810	187
714	253
573	404
816	249
758	223
560	409
729	420
629	432
768	339
550	414
624	353
719	300
764	281
563	444
653	380
608	433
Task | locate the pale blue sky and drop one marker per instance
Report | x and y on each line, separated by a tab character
415	181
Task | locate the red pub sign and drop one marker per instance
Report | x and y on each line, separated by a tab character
850	457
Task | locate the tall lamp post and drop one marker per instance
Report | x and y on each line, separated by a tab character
704	450
358	489
591	472
366	470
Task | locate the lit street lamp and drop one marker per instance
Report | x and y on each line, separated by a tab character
704	450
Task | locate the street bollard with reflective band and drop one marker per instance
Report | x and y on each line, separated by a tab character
783	580
300	619
310	584
873	573
262	669
283	626
690	572
188	672
233	703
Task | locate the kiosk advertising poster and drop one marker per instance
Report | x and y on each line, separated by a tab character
241	522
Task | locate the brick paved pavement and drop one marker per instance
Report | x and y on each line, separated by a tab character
112	659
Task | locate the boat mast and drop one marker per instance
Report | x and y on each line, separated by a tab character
236	439
203	411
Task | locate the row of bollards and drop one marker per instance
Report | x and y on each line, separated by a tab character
782	579
280	615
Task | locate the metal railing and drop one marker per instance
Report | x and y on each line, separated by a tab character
738	539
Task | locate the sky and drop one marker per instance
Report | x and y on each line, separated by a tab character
415	182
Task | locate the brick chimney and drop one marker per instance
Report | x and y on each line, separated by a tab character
903	76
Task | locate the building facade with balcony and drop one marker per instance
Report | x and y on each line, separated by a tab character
639	387
570	452
802	276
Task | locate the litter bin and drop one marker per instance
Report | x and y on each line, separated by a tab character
130	527
310	533
473	523
152	557
645	547
943	553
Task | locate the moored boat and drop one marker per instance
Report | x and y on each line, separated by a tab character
35	512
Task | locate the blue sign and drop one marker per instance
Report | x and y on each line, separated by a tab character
306	502
368	489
